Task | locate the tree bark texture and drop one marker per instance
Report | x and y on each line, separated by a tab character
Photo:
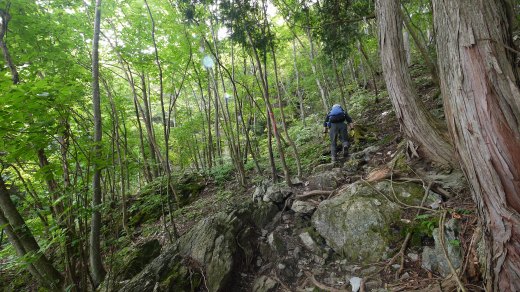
482	103
96	264
416	122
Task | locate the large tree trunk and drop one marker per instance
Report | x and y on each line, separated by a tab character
96	264
482	103
418	124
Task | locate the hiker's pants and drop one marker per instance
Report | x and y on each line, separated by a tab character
338	129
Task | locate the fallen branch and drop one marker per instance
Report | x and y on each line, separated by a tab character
323	286
439	190
313	193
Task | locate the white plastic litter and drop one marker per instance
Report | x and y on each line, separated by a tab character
355	282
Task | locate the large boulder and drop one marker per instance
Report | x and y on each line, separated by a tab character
273	193
327	180
277	194
358	223
258	214
323	167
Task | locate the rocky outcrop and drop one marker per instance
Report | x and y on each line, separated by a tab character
167	272
217	245
358	222
139	258
212	244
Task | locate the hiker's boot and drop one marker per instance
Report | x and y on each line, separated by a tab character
345	150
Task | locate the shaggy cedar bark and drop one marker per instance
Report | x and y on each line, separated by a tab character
416	122
479	83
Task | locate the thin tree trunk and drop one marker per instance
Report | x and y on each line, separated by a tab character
62	218
233	142
166	122
298	92
24	242
479	83
315	72
416	122
420	45
214	76
152	143
6	17
284	124
129	78
340	83
207	113
96	263
370	66
116	139
270	114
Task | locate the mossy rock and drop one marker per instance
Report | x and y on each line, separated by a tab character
181	278
188	187
362	221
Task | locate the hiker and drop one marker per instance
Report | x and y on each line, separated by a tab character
335	120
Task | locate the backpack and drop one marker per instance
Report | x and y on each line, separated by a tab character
337	115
